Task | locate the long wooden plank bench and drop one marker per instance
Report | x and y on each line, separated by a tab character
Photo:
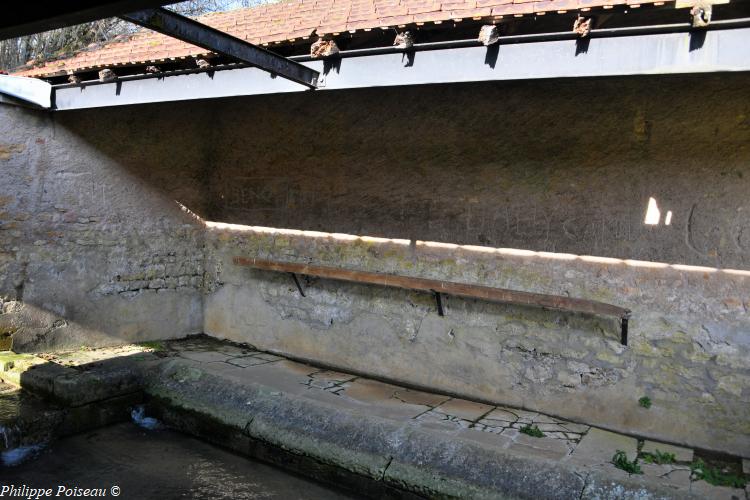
438	287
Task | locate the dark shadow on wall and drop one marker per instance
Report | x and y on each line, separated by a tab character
541	165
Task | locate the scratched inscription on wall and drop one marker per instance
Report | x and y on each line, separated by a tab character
714	235
259	193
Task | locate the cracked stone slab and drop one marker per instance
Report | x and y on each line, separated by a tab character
411	396
501	414
525	416
246	361
680	454
205	356
440	421
467	410
668	474
332	376
705	490
599	446
544	447
486	438
611	483
746	466
381	400
267	357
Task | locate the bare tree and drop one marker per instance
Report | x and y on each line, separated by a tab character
64	42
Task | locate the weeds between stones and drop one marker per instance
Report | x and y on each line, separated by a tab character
620	460
659	457
712	475
645	402
532	431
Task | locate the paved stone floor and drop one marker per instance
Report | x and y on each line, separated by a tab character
562	441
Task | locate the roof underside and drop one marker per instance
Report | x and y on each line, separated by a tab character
299	22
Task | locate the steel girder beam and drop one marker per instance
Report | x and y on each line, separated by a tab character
25	91
30	17
195	33
667	53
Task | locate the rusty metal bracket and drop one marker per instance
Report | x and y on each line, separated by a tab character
439	302
296	282
624	329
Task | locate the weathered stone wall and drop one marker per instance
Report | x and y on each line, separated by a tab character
96	247
560	168
93	247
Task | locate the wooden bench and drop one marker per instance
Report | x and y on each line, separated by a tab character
438	287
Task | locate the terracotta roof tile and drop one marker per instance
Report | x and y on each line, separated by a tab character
292	19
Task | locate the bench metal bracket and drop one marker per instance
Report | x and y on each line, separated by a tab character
296	282
439	302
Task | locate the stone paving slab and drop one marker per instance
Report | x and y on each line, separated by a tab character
681	454
466	410
413	440
598	447
704	490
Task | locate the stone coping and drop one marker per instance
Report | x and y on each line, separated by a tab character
411	441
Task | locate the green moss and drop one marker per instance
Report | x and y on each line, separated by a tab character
154	345
620	460
645	402
532	430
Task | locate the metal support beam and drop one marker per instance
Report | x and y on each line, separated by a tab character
25	91
26	18
195	33
722	50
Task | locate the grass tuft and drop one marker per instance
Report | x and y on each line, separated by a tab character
620	460
644	402
532	431
154	345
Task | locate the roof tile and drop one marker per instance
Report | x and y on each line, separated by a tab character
290	19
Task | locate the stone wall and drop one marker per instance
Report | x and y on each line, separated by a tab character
560	169
537	186
94	248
